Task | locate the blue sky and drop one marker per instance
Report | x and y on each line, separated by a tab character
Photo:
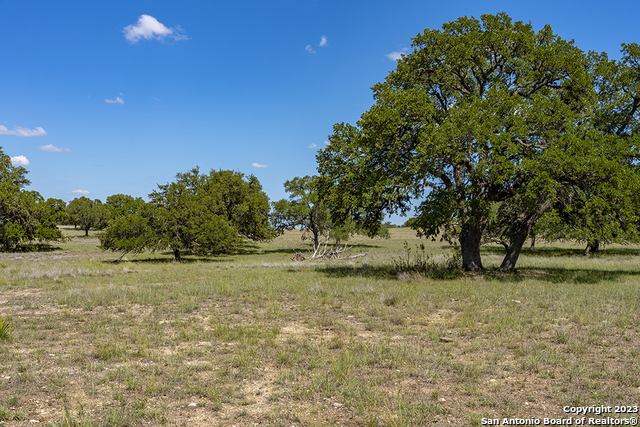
115	97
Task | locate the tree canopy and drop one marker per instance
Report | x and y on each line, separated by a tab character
24	215
119	205
480	112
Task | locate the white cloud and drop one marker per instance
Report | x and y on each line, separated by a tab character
118	100
20	131
396	56
149	27
313	145
79	192
323	42
326	143
258	165
67	150
20	161
50	148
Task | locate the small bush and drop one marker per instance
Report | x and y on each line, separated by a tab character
6	325
8	415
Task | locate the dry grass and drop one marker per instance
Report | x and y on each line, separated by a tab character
256	339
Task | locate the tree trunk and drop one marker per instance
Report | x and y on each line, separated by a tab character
519	232
176	255
314	228
533	241
86	231
515	246
470	238
593	246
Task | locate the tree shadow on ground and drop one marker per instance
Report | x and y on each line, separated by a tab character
551	275
290	251
252	249
248	249
186	259
563	252
256	250
364	270
34	247
560	275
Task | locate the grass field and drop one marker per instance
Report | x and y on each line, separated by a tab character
257	339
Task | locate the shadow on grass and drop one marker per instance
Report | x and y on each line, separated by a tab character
560	275
258	251
186	259
35	247
251	249
378	271
563	252
551	275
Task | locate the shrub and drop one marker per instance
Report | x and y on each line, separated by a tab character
6	325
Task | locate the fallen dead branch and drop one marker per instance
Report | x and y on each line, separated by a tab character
322	252
329	255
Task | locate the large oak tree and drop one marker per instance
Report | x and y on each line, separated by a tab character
480	112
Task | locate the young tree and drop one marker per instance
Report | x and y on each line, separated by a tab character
304	209
473	115
88	214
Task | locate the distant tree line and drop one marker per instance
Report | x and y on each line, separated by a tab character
197	214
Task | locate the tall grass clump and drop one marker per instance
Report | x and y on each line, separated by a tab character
440	267
6	325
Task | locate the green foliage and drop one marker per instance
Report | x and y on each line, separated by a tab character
88	214
58	211
128	234
24	215
6	326
238	199
606	209
197	214
481	112
186	221
120	205
47	215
